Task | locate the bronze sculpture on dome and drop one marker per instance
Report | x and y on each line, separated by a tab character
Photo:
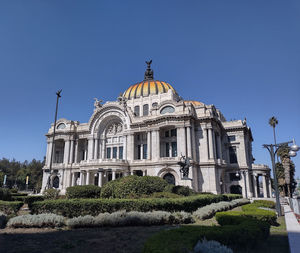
149	71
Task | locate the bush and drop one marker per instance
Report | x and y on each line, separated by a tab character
180	190
133	187
18	194
226	218
51	194
245	235
123	218
10	207
210	210
205	246
40	221
83	191
3	220
163	195
5	194
77	207
265	203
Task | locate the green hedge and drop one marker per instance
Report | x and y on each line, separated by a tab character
249	211
133	187
17	194
83	191
180	190
28	199
244	235
77	207
265	203
5	194
10	207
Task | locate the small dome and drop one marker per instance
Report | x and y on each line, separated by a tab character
146	88
195	103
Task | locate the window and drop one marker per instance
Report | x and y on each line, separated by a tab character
137	111
232	155
173	132
174	149
115	152
167	133
145	151
139	152
169	178
108	150
121	152
167	149
145	110
155	104
231	138
167	109
61	126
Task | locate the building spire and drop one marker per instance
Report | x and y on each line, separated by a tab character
149	71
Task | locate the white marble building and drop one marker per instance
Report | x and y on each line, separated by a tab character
145	132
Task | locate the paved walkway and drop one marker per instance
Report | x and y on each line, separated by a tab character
293	229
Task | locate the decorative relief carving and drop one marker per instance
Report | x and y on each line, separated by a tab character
115	128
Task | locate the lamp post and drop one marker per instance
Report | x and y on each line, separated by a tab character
273	150
48	186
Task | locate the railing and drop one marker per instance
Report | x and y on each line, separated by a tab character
295	204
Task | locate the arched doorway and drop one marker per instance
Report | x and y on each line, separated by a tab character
236	189
169	178
56	182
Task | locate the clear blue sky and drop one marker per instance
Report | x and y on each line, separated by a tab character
241	56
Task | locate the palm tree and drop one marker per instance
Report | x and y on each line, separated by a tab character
273	122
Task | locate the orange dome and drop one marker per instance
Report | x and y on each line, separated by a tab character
146	88
195	103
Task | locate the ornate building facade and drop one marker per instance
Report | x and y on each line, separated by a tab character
146	132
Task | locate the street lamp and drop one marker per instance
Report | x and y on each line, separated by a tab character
273	150
48	186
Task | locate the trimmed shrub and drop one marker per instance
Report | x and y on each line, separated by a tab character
40	220
51	194
10	207
83	191
3	220
5	194
133	187
18	194
180	190
28	199
163	195
205	246
123	218
265	203
226	218
75	207
209	211
245	235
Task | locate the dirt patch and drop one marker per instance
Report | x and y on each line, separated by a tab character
106	240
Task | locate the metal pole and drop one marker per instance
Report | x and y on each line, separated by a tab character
278	207
53	137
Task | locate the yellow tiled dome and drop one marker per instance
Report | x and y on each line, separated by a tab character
146	88
195	103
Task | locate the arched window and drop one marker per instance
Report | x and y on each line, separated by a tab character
61	126
169	178
145	110
137	111
167	109
56	182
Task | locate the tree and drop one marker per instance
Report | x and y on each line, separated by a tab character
273	122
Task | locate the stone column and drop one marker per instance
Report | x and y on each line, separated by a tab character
48	157
88	174
149	145
155	145
210	143
264	183
181	141
96	148
103	149
194	156
125	147
66	152
219	146
100	179
81	177
73	178
90	149
85	149
113	175
270	187
214	143
71	152
205	146
130	147
188	141
76	151
255	186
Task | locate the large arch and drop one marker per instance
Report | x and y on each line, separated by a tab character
171	171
